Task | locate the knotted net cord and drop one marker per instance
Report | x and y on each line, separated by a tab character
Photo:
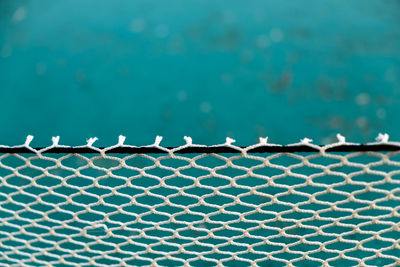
194	205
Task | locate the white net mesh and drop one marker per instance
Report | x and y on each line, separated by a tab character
266	209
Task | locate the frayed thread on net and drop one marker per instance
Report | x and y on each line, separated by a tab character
341	139
188	140
263	140
121	140
229	141
306	141
91	141
158	140
28	140
382	138
55	140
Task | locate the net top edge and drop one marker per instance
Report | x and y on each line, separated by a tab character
382	143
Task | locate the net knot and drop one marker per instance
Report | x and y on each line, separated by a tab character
158	140
341	138
55	140
263	140
121	140
91	141
306	140
229	141
188	140
383	138
28	140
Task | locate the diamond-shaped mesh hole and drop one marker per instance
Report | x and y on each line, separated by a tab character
210	161
139	162
74	161
214	209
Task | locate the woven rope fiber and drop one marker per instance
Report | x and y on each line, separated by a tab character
194	205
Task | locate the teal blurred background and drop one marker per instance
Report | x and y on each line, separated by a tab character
207	69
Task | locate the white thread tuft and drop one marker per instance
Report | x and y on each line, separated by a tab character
91	141
121	140
263	140
383	138
158	140
341	138
28	140
188	140
306	140
55	140
229	141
